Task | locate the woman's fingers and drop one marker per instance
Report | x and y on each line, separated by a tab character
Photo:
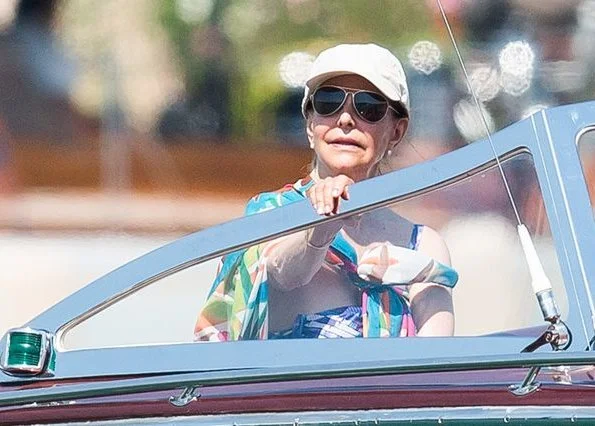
325	194
319	195
330	190
345	193
340	190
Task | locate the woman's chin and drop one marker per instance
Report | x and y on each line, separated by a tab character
353	169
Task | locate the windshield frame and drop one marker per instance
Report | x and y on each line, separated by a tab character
550	136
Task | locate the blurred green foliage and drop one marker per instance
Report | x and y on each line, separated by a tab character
253	35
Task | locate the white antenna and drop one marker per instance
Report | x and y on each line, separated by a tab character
559	336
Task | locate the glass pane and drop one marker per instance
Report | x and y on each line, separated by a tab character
473	215
586	151
477	221
163	312
147	117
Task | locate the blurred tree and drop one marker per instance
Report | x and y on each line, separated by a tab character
220	40
36	79
208	64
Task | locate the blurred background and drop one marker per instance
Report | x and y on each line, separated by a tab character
127	123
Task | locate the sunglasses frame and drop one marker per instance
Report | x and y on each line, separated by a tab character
353	92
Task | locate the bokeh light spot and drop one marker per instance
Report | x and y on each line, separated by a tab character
425	57
469	121
516	67
194	11
294	69
485	83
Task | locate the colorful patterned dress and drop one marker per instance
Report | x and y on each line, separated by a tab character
237	304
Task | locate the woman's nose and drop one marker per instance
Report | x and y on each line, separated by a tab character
346	115
345	119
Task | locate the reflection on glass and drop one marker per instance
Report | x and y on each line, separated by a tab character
474	216
470	120
162	312
477	221
586	151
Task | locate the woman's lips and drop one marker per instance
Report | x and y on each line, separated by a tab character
344	142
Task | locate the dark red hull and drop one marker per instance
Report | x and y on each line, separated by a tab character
422	390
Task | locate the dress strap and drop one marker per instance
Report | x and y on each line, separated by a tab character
415	236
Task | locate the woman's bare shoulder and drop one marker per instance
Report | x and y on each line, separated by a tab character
432	244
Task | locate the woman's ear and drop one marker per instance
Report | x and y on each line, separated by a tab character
310	131
399	133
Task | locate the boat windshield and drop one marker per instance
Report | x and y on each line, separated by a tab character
493	294
197	106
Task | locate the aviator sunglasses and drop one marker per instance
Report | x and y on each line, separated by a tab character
369	106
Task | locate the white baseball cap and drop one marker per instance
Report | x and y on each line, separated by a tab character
374	63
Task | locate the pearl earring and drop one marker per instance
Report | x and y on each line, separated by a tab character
389	152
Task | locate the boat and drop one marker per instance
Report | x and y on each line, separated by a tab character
80	362
516	209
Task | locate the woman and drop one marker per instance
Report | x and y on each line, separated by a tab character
338	278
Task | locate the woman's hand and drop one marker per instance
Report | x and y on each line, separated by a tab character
326	194
393	265
374	262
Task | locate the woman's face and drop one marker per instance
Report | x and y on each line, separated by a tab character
346	144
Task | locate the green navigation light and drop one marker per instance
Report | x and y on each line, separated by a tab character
27	352
24	349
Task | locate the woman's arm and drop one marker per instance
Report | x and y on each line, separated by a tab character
293	260
431	304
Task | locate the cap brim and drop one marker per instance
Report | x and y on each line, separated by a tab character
380	84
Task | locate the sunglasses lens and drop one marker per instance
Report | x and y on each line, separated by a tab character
370	106
327	100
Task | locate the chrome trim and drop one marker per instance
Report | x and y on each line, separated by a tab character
548	305
582	132
74	391
552	140
579	135
560	191
297	354
528	385
188	395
